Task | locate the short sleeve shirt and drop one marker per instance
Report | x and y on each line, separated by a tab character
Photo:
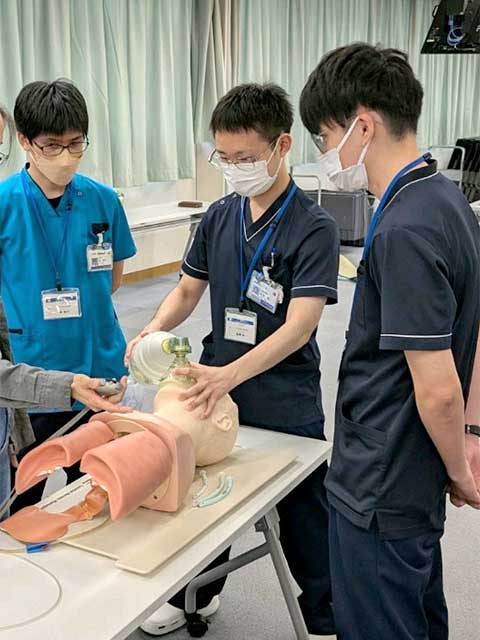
305	246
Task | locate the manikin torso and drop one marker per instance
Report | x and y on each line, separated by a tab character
134	459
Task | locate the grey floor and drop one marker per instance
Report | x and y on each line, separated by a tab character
252	606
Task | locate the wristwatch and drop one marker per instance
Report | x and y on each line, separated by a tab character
474	429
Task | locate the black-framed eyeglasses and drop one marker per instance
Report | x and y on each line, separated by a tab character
76	148
3	157
244	164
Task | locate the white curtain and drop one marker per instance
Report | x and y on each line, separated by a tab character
451	83
132	61
210	42
153	70
283	40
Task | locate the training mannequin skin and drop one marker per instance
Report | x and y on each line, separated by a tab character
135	459
213	437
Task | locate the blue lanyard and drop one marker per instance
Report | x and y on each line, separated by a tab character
385	198
54	260
245	279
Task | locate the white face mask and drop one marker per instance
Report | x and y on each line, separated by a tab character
59	169
351	178
252	180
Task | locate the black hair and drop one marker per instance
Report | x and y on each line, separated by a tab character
50	108
362	75
264	108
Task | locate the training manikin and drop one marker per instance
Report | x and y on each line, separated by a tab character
135	459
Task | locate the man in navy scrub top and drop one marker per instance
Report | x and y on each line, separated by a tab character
270	257
408	360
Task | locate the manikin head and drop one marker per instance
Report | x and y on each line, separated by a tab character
153	361
213	437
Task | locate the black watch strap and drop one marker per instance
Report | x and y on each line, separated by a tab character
474	429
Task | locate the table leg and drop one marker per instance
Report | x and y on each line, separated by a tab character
268	525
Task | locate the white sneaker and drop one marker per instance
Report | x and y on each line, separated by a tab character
168	618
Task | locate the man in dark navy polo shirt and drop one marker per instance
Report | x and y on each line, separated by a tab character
408	360
270	257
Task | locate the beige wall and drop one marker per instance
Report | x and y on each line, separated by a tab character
165	246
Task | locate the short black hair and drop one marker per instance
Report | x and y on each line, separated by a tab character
50	108
361	74
264	108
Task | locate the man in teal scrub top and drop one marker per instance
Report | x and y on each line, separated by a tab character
64	238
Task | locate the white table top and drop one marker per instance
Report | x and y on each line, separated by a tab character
102	602
164	215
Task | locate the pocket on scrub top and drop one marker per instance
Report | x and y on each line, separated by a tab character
280	272
357	460
27	347
65	344
109	348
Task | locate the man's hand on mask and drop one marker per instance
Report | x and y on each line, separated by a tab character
472	453
150	328
211	384
83	390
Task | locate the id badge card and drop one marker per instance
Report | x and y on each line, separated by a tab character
265	292
60	305
100	257
240	326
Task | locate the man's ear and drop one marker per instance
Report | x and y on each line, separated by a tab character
23	142
223	422
285	144
367	127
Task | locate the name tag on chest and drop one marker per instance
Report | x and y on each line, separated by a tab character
60	305
100	257
240	326
265	292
